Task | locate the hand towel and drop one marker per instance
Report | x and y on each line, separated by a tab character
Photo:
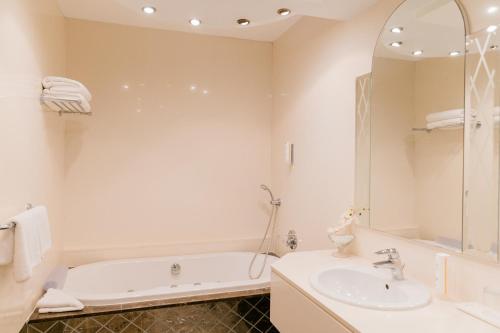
446	124
84	105
6	246
31	240
56	300
444	115
70	90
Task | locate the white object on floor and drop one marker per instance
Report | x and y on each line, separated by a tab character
56	300
31	240
481	312
6	246
446	124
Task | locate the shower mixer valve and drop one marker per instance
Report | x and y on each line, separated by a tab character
292	241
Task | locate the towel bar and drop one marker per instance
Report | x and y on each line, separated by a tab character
12	224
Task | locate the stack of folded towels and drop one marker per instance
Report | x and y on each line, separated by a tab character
445	119
56	300
65	90
452	119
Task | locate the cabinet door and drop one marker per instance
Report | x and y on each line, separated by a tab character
293	312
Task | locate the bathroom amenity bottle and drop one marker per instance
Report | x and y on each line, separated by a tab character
441	282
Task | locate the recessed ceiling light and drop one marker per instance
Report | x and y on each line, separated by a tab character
492	28
396	44
284	11
397	30
455	53
492	10
417	53
149	10
243	21
195	22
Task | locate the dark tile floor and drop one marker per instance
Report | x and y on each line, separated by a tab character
239	315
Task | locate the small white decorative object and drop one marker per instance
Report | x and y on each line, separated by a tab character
341	234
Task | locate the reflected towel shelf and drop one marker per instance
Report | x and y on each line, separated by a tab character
65	105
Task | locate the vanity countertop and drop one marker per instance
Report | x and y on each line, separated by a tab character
438	317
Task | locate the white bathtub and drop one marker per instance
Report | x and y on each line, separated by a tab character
137	280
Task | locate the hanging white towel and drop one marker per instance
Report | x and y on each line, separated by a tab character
31	240
6	246
444	115
55	300
446	124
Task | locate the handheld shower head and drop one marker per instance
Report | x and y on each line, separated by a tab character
274	202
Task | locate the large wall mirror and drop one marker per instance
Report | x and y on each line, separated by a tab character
427	134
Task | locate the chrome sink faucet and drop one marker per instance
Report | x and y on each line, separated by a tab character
393	263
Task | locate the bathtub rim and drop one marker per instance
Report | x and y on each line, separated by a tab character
152	295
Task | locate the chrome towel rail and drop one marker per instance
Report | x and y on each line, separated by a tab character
12	224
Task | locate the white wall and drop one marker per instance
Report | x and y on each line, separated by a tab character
315	67
172	164
31	139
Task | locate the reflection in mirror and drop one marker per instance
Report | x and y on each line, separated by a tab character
482	145
417	124
362	171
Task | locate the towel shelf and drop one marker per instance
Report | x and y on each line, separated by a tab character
65	105
10	225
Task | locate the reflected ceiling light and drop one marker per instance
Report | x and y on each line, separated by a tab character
492	10
243	21
149	10
492	28
195	22
455	53
494	47
417	53
397	30
396	44
284	11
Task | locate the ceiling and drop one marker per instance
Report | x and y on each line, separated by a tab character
218	16
420	19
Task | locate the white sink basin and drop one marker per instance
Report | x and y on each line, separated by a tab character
369	288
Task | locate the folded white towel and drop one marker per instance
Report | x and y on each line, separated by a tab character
68	100
446	124
6	246
444	115
65	89
55	300
31	240
52	81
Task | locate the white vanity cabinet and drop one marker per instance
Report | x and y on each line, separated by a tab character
294	312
